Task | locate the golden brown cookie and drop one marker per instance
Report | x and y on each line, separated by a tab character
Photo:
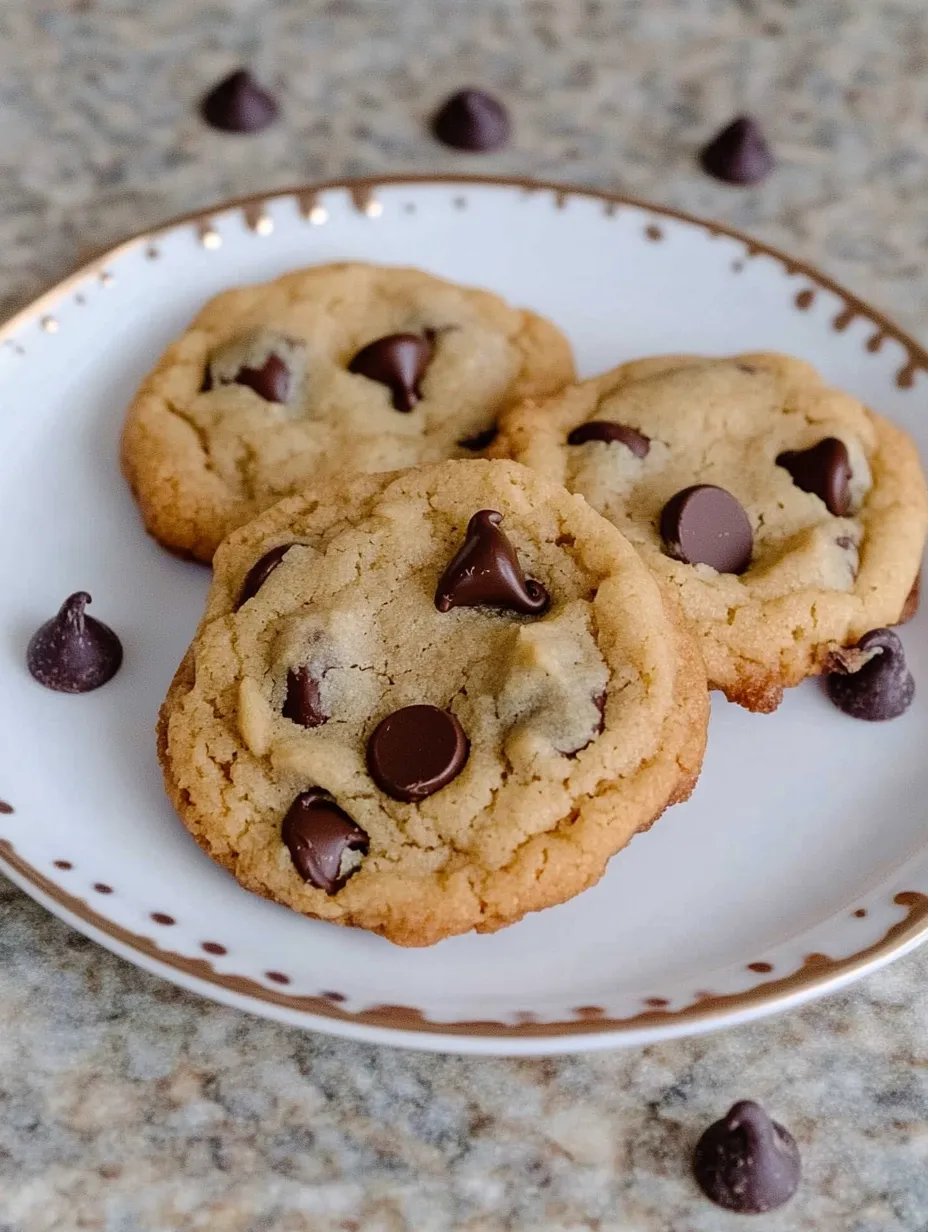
431	701
325	370
788	518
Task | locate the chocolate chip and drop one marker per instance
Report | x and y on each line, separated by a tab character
739	154
72	652
398	361
472	120
271	381
485	572
238	105
480	440
605	430
303	704
416	751
705	525
746	1162
259	572
871	680
910	607
599	701
324	843
824	470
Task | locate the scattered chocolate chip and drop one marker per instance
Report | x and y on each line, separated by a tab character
705	525
480	440
72	652
238	104
416	751
824	470
910	607
398	361
485	572
739	154
604	430
324	843
260	571
746	1162
472	120
5	808
302	704
271	381
871	680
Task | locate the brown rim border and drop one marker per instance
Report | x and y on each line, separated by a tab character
817	973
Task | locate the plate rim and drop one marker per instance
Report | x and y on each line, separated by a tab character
402	1026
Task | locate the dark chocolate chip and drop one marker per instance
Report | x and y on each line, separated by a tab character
238	105
871	680
398	361
824	470
318	834
599	701
271	381
480	440
302	704
485	572
72	652
705	525
739	154
605	430
746	1162
416	751
472	120
259	572
910	607
5	808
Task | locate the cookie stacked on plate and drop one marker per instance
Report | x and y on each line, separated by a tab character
434	690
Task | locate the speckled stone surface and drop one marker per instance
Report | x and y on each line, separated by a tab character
129	1106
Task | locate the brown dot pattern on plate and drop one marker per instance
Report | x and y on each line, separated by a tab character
213	947
762	968
875	342
160	917
277	977
860	913
817	959
805	299
656	1003
589	1011
905	377
5	808
843	319
653	232
64	865
102	888
336	997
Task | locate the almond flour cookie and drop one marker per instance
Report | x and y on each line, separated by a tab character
788	518
431	701
326	370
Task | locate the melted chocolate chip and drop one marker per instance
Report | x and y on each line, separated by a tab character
398	361
480	440
824	470
599	701
871	680
72	652
485	572
303	704
746	1162
319	836
271	381
605	430
259	572
705	525
238	105
416	751
472	120
739	154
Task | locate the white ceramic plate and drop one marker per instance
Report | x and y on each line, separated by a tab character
800	862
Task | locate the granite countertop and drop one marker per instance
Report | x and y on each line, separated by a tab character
127	1105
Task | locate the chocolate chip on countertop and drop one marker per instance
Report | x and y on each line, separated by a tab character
72	652
398	361
238	104
302	704
416	751
705	525
472	120
261	570
485	572
871	680
746	1162
824	470
326	846
605	430
739	154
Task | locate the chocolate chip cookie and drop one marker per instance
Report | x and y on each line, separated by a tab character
326	370
431	701
788	518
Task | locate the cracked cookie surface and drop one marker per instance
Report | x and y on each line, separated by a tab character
334	368
431	701
833	494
